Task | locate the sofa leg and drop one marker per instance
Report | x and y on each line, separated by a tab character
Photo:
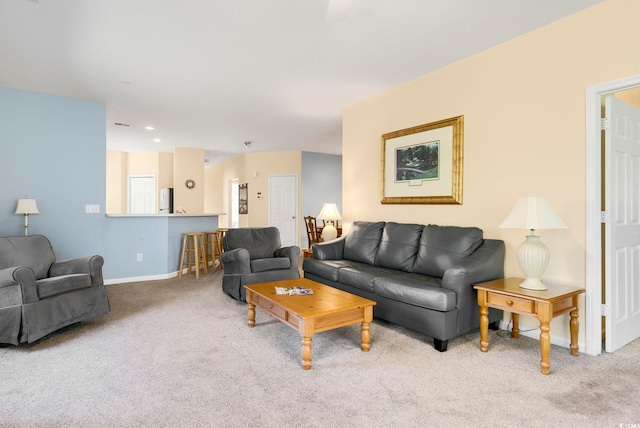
440	345
495	326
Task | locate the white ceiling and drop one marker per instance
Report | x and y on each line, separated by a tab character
213	74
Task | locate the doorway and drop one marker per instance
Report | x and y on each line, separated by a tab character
594	215
283	207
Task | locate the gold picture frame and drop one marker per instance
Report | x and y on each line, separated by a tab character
423	164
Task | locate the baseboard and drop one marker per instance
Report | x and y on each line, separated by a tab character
535	334
153	277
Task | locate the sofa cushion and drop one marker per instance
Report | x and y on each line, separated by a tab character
327	269
61	284
399	246
262	265
260	242
422	291
33	251
361	275
441	247
362	242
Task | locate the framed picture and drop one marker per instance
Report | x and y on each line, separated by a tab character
423	164
243	196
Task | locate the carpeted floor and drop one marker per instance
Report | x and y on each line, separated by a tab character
178	353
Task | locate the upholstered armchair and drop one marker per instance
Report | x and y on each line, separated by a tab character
253	255
39	295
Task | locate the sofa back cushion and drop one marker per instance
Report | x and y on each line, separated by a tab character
260	242
441	247
399	246
33	251
362	241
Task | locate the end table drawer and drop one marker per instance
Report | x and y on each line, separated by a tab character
508	302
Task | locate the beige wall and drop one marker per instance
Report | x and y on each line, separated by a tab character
122	164
117	166
524	133
254	169
188	164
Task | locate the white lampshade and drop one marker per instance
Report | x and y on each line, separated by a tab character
533	256
27	206
330	213
533	213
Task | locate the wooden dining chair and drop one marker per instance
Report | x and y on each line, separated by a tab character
312	230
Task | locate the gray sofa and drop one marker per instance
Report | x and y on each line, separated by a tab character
39	295
420	276
254	254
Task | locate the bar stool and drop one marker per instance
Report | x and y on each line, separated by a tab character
193	251
211	248
220	234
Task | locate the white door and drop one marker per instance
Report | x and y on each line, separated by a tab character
283	207
622	235
142	195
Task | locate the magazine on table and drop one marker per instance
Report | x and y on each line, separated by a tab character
294	291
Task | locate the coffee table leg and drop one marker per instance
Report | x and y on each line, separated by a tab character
306	329
306	353
251	315
545	311
365	332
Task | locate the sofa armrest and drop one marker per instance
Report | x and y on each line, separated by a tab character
90	265
332	250
484	264
236	262
291	252
25	277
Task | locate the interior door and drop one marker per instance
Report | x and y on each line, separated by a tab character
283	207
622	235
142	195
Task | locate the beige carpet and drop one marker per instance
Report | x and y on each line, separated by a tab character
178	353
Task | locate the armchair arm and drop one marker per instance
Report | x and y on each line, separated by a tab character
91	265
332	250
236	262
290	252
25	277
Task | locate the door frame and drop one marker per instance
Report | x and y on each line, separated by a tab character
594	242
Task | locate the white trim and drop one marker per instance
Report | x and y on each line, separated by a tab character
593	333
141	278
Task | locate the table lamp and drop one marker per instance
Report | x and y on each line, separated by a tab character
533	256
329	213
26	206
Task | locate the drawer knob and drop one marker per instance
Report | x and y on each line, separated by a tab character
510	302
270	306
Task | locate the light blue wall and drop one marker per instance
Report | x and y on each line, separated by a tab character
53	149
321	182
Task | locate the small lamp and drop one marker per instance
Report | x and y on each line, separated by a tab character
26	206
330	213
533	256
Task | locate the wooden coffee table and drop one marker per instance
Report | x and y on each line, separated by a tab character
327	308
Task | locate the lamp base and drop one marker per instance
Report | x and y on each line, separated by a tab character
329	232
533	257
533	284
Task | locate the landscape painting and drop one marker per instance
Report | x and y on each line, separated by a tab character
418	162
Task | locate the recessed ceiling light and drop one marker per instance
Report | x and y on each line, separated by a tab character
149	128
157	140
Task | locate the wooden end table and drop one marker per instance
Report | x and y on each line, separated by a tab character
507	295
327	308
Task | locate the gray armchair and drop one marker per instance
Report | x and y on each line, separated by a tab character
253	255
39	295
